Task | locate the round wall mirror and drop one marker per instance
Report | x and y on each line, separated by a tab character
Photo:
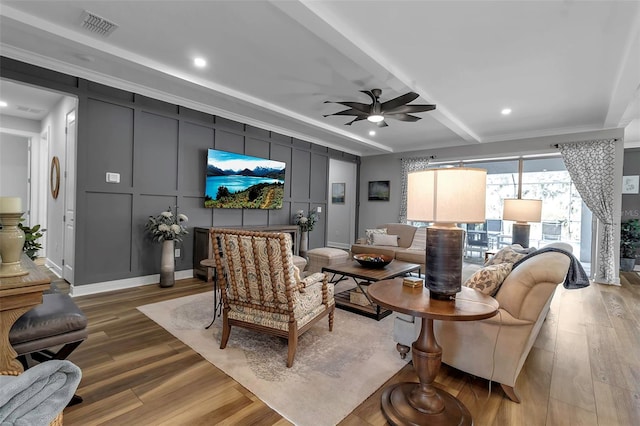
54	177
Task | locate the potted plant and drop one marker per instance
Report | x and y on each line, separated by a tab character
31	236
629	242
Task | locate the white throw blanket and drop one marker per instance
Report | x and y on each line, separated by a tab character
38	395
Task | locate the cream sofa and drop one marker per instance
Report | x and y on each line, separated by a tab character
407	250
496	348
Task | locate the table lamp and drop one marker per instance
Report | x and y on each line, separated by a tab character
446	197
522	211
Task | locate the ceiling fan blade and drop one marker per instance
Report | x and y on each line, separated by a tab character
399	101
404	117
350	111
382	124
361	117
355	105
404	109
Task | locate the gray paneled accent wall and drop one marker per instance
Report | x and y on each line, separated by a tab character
160	150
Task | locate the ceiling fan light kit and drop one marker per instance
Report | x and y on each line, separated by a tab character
377	111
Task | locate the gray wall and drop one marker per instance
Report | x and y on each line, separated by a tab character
159	150
13	167
631	202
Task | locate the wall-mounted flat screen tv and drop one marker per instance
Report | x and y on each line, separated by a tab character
237	181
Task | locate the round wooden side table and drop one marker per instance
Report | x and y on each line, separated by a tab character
422	403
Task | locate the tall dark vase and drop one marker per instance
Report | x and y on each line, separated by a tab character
304	243
167	264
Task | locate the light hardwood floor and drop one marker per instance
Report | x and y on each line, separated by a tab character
583	370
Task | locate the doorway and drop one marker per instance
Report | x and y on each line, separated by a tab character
341	205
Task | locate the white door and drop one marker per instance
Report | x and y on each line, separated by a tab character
341	211
69	198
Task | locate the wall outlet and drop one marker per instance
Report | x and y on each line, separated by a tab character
176	252
319	210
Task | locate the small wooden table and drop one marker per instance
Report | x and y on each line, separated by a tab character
356	271
17	296
422	403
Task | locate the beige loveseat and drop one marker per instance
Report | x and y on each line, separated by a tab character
411	244
496	348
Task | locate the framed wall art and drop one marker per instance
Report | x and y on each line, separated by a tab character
379	190
337	193
630	184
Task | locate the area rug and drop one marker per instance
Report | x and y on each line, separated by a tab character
333	372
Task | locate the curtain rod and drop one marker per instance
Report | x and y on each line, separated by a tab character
557	145
430	157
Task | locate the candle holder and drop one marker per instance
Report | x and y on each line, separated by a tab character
11	243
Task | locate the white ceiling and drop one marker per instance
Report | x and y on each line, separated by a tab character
561	66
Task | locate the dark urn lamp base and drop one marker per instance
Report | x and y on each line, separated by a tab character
445	245
520	232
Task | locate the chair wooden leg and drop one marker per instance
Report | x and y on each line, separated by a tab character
511	393
226	331
292	345
331	317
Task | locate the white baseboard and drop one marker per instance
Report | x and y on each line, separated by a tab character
53	267
95	288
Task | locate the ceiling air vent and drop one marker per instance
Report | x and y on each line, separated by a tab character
97	25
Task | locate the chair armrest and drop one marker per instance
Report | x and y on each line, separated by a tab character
316	277
313	278
504	318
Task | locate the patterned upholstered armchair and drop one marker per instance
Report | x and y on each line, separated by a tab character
262	289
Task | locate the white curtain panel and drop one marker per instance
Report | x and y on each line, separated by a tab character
409	165
591	167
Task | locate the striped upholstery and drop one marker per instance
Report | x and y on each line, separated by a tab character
262	289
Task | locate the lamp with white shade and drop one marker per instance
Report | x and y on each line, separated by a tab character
522	211
446	197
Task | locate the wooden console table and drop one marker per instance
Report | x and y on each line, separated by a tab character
17	296
203	249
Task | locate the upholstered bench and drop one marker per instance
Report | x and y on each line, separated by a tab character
57	321
300	262
325	256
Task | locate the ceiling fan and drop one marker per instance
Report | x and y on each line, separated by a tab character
377	111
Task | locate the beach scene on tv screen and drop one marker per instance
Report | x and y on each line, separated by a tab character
237	181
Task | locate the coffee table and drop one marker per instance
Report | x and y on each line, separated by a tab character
357	272
422	403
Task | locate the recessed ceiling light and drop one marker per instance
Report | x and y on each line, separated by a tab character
506	111
3	104
375	118
200	62
372	132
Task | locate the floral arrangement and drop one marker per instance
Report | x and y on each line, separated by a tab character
167	226
306	223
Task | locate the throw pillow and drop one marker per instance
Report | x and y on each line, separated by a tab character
370	232
419	240
489	279
385	240
510	254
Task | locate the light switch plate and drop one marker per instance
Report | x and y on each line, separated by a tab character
113	177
